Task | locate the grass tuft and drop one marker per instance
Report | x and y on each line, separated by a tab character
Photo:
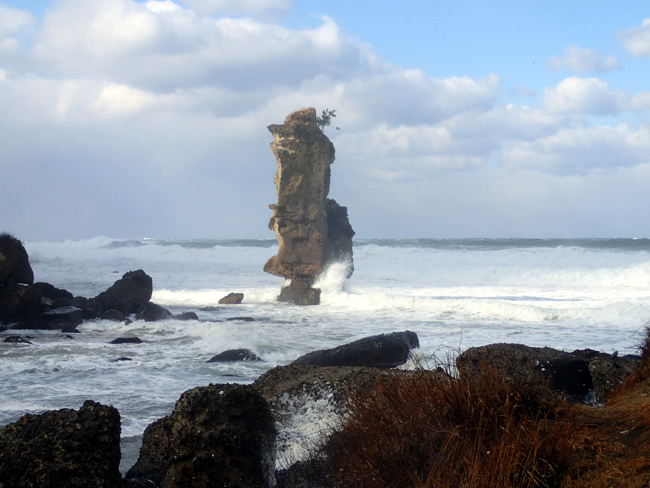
430	429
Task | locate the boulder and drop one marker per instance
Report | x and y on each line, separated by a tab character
234	355
14	339
126	340
63	448
582	375
218	435
14	263
21	307
185	316
113	316
151	312
127	295
53	293
380	351
59	318
232	299
312	230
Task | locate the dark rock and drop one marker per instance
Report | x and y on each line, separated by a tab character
232	299
69	329
565	373
152	312
312	473
14	263
113	316
59	318
240	319
63	448
87	307
126	340
14	339
235	355
210	309
52	292
312	231
128	294
21	306
380	351
608	372
185	316
219	435
117	360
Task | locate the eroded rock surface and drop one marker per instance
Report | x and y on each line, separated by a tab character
218	435
312	230
63	448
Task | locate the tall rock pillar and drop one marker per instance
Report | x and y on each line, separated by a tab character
313	231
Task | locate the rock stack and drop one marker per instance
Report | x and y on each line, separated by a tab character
313	231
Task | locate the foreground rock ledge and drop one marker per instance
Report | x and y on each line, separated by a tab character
313	231
62	448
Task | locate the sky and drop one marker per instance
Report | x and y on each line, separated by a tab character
480	118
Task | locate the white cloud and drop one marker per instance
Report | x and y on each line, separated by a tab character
239	7
583	95
637	39
12	21
581	61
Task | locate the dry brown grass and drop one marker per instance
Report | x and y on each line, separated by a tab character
429	429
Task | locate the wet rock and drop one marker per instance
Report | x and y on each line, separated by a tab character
53	293
232	299
126	340
63	448
128	294
21	306
69	329
219	435
113	316
151	312
186	316
234	355
59	318
14	339
117	360
312	230
380	351
608	372
14	263
240	319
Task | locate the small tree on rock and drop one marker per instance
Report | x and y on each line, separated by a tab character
325	120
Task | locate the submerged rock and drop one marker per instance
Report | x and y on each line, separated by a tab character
380	351
63	448
312	230
126	340
218	435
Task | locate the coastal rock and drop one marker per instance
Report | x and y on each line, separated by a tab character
21	306
218	435
113	316
567	374
232	299
128	294
60	297
14	263
234	355
312	231
151	312
185	316
608	372
380	351
126	340
63	448
60	318
14	339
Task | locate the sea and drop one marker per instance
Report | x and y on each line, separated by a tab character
454	293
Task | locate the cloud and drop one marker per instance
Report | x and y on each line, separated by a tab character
636	40
581	61
130	119
12	21
239	7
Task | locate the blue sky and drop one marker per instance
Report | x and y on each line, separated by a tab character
458	119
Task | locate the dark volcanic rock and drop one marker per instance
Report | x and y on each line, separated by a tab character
53	293
185	316
114	316
63	448
126	340
574	376
128	294
58	318
219	435
21	306
14	263
234	355
312	231
380	351
232	299
151	312
240	319
14	339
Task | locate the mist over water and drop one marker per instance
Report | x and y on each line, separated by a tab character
453	293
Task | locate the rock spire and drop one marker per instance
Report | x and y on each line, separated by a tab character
313	231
